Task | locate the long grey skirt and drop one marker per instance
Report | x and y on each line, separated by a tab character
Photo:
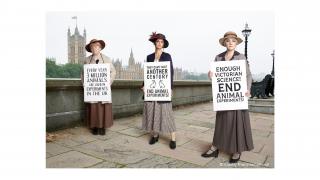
233	131
158	117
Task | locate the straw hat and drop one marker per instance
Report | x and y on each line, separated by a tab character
230	34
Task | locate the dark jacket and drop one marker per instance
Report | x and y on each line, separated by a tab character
164	57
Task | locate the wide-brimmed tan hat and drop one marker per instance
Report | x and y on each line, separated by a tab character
230	34
102	43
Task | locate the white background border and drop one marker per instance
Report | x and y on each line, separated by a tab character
23	104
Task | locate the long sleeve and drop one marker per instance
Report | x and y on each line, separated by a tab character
112	72
143	71
171	69
216	58
249	76
248	72
81	76
82	73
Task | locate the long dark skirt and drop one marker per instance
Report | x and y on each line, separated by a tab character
233	131
99	115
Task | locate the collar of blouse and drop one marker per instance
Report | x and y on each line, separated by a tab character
94	59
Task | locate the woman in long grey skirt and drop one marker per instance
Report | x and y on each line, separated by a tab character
232	129
158	116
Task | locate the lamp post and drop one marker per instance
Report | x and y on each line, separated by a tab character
246	32
272	72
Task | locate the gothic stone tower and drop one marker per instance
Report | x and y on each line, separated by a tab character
76	46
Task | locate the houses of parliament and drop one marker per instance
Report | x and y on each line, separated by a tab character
134	70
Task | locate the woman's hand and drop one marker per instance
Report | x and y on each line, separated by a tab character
248	94
142	88
210	74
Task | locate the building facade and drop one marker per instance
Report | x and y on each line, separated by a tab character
134	70
76	46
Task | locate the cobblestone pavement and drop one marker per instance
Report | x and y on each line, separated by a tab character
126	146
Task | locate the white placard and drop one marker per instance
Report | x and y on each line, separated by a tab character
97	82
157	79
229	85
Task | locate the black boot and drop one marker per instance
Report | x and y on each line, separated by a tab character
234	160
94	131
172	144
211	153
102	131
154	140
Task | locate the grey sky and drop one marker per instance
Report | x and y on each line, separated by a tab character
193	36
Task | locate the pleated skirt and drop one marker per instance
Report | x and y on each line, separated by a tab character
158	117
233	131
99	115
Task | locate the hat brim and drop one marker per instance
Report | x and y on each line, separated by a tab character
221	40
165	42
102	43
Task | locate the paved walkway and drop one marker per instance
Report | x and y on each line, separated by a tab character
126	146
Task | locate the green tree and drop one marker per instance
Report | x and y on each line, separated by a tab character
62	71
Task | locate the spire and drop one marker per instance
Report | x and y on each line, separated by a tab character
84	36
69	33
131	58
76	31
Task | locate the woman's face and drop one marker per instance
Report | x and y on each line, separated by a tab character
159	43
231	43
95	48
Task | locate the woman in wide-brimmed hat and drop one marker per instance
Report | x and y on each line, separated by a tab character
158	115
99	114
232	132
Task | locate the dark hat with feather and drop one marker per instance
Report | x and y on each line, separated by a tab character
154	36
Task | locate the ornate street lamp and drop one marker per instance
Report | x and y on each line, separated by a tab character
246	32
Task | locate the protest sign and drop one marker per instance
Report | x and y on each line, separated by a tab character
157	78
229	85
97	82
